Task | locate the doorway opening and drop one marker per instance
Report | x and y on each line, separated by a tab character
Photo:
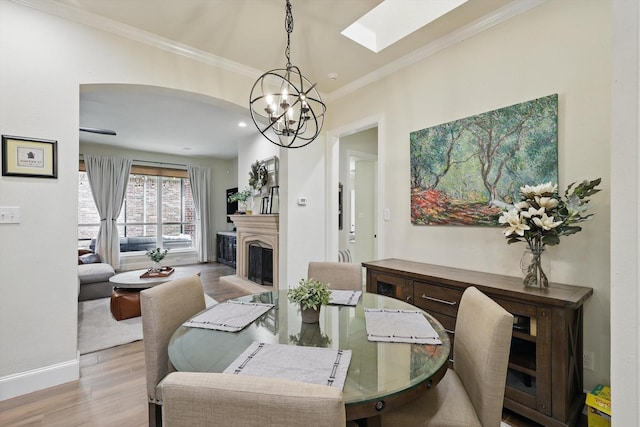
354	192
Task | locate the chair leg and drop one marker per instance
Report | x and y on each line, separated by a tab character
155	415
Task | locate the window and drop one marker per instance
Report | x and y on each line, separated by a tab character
158	211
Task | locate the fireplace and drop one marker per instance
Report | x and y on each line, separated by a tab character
261	233
260	264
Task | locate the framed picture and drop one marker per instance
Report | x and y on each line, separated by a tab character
468	171
274	200
29	157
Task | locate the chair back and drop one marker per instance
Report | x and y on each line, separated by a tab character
481	353
339	275
203	399
164	308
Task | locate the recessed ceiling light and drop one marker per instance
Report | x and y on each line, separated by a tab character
242	124
393	20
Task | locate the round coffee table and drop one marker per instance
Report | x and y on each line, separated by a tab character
132	279
125	296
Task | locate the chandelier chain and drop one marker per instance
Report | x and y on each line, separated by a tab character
288	25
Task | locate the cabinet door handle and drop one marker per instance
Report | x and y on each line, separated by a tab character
441	301
449	331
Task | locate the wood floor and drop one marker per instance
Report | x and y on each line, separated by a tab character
111	390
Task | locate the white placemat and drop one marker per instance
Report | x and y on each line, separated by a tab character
339	297
230	316
405	326
315	365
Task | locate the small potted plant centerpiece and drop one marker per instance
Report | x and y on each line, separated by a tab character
311	294
156	255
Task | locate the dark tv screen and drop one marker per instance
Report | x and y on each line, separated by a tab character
232	207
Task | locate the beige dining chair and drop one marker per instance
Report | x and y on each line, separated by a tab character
339	275
197	399
472	393
164	307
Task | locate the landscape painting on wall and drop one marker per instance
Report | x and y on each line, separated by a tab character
467	171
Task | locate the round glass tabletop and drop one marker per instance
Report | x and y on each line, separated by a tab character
379	372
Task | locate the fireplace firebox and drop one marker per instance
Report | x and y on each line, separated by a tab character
260	264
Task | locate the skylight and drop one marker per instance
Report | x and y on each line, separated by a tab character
392	20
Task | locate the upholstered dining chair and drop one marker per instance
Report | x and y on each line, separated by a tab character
197	399
472	393
164	307
339	275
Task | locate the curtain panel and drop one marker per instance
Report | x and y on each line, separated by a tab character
108	178
200	186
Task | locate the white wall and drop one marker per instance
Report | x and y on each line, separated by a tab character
43	62
558	47
304	237
625	225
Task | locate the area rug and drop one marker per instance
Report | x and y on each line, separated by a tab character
97	329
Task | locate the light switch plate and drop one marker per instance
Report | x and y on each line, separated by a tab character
9	215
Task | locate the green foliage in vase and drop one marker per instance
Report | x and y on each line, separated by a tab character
240	196
157	254
310	293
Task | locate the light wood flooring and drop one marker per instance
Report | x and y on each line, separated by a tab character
111	390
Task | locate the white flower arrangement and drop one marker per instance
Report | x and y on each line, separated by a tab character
542	216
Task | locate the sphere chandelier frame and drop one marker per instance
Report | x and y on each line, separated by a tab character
286	104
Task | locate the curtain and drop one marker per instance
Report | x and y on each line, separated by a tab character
108	178
200	183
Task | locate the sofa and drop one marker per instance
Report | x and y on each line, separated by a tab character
142	243
93	276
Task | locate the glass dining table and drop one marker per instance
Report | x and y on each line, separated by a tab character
381	375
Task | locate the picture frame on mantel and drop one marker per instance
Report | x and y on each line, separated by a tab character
29	157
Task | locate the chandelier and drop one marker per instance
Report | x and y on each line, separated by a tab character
286	103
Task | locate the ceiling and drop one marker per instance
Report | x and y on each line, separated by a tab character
249	36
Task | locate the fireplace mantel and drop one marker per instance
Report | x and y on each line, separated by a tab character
255	228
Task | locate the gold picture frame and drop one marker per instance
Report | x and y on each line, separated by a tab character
29	157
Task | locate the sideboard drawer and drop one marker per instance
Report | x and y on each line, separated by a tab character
391	286
437	299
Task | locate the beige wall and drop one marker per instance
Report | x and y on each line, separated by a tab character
554	48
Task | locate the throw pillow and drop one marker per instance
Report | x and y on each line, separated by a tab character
89	259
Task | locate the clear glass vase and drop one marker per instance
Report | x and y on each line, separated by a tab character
535	267
248	206
157	267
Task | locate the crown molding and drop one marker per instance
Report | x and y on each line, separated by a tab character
479	25
96	21
86	18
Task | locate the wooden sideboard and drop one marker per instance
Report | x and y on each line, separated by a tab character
544	379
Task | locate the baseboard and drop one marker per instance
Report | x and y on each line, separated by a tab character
38	379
